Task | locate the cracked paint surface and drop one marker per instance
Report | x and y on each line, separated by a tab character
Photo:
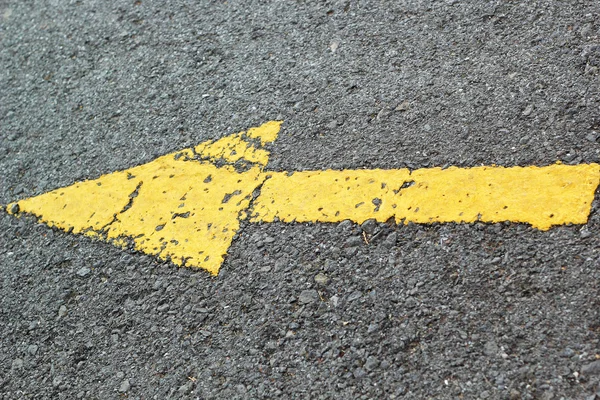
186	206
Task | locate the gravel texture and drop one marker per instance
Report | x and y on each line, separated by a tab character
300	310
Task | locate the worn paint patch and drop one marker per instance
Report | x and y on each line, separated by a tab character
177	207
540	196
240	146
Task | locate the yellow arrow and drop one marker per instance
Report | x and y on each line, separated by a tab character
186	206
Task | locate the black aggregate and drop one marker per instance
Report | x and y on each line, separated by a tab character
498	311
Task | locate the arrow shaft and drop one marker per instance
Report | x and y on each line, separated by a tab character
540	196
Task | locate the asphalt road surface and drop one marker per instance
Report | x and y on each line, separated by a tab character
300	310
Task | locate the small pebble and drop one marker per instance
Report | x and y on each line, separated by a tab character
354	295
334	46
240	388
372	363
125	386
405	105
391	240
359	373
490	349
335	300
568	352
354	241
346	225
332	125
269	239
32	349
186	388
308	296
592	368
369	226
321	279
62	311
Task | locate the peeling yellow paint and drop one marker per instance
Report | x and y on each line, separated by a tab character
234	147
266	133
540	196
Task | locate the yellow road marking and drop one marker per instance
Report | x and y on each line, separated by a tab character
184	208
540	196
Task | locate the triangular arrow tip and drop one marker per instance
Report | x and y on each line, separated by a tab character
180	206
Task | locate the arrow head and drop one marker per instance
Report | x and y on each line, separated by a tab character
180	207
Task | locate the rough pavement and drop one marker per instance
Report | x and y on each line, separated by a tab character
300	310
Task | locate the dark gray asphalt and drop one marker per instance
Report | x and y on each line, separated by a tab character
447	311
